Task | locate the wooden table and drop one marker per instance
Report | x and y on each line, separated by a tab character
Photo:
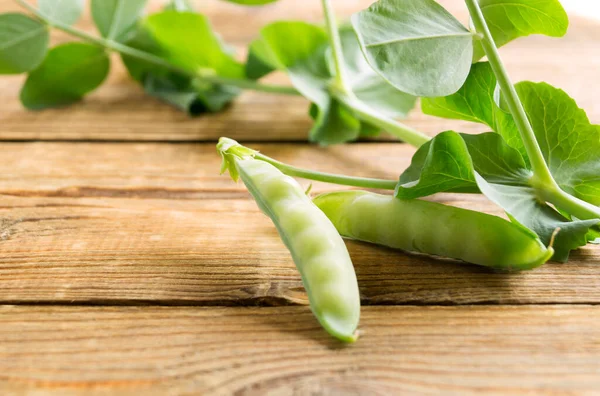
129	266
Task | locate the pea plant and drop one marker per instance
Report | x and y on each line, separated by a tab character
540	161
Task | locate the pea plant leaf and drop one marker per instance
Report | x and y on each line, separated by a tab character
476	101
569	142
441	165
115	19
69	72
368	86
180	91
174	91
142	40
186	95
309	64
300	49
23	43
511	19
416	45
187	40
63	11
259	61
453	162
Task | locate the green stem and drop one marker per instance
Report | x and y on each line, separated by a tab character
341	80
538	164
343	180
155	60
542	180
573	205
391	126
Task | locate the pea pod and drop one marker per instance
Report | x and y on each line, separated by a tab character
316	247
435	229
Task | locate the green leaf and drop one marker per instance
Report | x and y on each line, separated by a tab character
288	44
193	97
496	161
214	97
569	142
63	11
116	18
300	49
334	123
23	43
469	163
476	102
179	95
188	41
251	2
511	19
448	163
182	94
441	165
416	45
137	68
368	86
68	73
259	62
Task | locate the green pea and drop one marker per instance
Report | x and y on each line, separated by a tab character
435	229
318	250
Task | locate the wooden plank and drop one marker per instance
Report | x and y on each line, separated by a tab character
109	223
120	110
257	351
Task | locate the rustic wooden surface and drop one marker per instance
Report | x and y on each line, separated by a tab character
114	207
282	351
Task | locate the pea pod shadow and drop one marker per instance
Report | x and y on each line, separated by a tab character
392	277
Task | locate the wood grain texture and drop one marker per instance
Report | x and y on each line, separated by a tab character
132	223
282	351
147	224
120	111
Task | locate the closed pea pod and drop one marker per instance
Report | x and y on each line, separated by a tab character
316	247
435	229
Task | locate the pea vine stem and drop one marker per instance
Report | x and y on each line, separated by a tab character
155	60
542	181
361	182
335	42
391	126
342	91
538	164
